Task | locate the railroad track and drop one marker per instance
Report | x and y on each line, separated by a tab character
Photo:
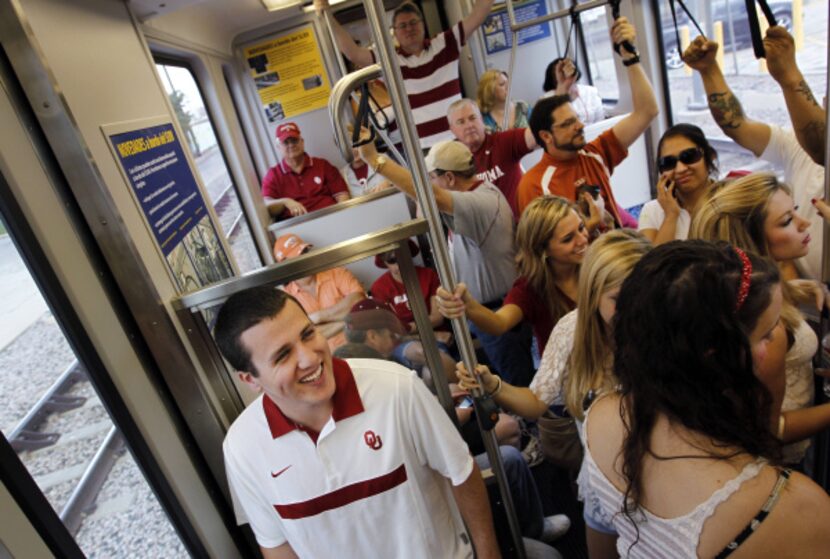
33	440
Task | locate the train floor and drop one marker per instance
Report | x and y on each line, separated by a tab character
558	495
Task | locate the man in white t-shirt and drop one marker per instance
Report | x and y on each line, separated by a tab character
341	458
769	142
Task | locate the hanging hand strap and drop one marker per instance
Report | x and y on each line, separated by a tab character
574	24
362	119
755	25
677	29
367	116
615	13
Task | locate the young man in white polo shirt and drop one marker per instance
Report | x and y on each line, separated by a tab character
336	458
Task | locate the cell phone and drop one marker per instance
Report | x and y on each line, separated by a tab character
591	189
467	402
670	184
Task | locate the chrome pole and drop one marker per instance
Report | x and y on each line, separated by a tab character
330	28
513	47
825	252
389	62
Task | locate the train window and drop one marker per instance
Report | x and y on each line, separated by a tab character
726	21
600	54
200	138
63	435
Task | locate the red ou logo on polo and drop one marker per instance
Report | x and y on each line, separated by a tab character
372	440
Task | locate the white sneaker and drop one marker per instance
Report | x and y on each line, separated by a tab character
555	527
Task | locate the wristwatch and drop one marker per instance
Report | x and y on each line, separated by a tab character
379	162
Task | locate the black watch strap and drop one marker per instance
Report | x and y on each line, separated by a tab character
632	61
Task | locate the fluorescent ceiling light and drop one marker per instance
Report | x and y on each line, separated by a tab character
274	5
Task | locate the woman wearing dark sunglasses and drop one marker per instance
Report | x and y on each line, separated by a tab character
686	163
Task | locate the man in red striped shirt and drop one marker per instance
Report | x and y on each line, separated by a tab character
429	66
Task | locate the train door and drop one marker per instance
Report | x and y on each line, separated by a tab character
110	273
73	456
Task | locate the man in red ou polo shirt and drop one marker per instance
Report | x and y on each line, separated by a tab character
299	183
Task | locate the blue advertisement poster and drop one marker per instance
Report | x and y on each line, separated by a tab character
169	197
496	28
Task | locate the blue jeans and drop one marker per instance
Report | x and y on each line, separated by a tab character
522	488
509	354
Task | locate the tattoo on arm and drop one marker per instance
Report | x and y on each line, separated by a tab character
804	89
726	110
813	135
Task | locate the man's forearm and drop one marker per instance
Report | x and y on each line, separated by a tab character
642	94
340	309
402	180
726	109
808	118
360	56
471	498
275	206
729	115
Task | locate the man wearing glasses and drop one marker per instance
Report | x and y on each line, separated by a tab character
429	66
569	161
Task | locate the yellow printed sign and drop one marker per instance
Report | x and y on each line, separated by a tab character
289	74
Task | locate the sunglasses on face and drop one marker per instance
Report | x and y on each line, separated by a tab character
687	157
390	259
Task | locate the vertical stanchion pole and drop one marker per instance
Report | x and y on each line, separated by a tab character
825	256
426	199
514	35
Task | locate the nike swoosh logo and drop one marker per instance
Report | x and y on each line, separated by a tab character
280	472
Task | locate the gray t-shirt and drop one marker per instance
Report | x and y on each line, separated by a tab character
481	242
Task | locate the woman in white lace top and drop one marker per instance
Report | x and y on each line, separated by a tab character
680	458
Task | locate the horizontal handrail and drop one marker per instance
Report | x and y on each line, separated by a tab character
516	27
296	220
316	260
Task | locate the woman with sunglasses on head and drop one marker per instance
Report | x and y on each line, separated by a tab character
573	374
551	240
686	163
757	214
682	458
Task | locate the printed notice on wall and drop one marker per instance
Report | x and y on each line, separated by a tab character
496	28
289	74
169	197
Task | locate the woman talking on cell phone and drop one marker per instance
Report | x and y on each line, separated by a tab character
687	164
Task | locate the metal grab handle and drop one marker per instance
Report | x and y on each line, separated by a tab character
339	100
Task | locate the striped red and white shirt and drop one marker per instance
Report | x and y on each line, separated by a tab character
432	84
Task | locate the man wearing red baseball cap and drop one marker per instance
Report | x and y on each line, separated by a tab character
299	183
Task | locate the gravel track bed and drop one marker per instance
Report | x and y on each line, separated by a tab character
90	413
61	456
141	523
127	520
29	366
